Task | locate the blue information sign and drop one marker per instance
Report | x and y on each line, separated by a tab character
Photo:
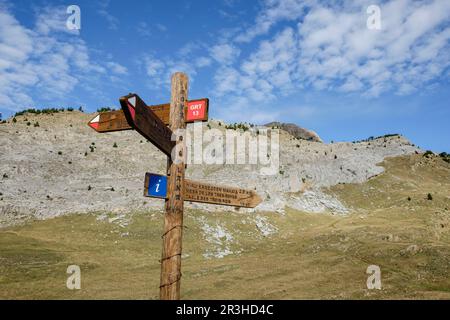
157	186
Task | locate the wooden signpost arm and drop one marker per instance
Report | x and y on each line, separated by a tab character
151	123
173	218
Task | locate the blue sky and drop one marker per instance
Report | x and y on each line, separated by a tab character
313	63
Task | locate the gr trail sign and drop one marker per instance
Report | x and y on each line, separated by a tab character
196	110
156	123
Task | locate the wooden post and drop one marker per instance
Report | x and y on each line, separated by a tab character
173	218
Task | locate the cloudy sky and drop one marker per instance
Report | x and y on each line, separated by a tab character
314	63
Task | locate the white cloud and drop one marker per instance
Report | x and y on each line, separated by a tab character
51	20
202	62
225	53
161	27
113	22
143	29
189	59
270	67
160	70
332	49
46	60
273	12
335	47
116	68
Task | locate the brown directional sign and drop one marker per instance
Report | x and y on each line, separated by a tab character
227	196
147	123
156	187
197	110
152	122
109	121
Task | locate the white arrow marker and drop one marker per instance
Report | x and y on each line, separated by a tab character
94	122
132	101
132	105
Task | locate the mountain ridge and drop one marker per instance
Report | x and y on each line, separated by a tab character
54	164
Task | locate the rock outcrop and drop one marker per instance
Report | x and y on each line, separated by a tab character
296	131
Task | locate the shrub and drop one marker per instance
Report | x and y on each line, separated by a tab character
14	120
60	153
429	196
115	145
43	111
36	124
89	188
28	123
236	126
445	156
409	198
104	109
379	137
428	153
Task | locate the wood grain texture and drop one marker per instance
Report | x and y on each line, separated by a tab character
222	195
148	124
195	191
173	217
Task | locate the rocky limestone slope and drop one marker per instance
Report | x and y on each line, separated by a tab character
63	166
296	131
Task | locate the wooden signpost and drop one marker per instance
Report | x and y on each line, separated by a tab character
147	123
196	110
151	122
155	186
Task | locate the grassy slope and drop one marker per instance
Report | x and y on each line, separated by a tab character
311	256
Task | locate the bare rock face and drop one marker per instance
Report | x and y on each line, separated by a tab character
296	131
62	166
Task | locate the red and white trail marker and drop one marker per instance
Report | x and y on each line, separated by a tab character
110	121
94	123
